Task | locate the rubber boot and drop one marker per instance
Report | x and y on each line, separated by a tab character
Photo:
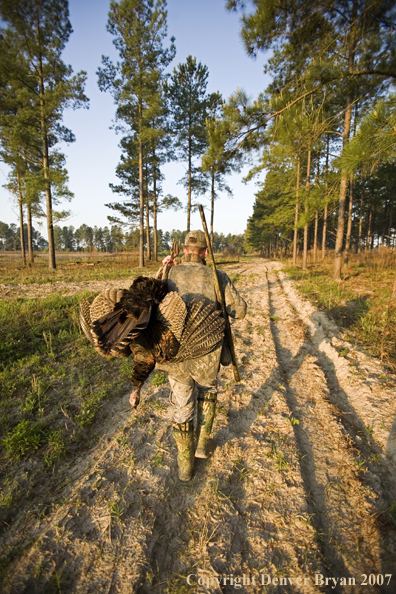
184	437
206	415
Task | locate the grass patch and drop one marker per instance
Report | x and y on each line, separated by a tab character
52	386
362	304
159	379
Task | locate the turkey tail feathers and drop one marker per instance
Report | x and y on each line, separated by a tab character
203	332
115	326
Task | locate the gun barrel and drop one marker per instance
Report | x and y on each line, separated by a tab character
221	299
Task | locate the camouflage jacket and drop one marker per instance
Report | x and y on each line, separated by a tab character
193	280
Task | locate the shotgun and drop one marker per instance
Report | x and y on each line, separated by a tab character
221	299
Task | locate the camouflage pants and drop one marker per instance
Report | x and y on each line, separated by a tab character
188	378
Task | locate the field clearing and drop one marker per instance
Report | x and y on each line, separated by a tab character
79	267
301	481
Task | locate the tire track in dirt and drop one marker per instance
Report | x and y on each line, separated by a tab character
275	498
357	375
348	502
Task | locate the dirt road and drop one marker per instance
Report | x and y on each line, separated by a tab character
300	489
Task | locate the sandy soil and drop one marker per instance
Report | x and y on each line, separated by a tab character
300	487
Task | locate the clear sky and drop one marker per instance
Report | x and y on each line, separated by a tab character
202	28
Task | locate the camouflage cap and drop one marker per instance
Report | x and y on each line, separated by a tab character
195	239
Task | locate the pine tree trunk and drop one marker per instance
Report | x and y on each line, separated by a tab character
315	253
295	238
45	158
360	224
141	195
212	206
370	218
20	202
48	196
30	234
305	249
389	243
345	139
349	225
148	249
155	209
189	187
324	231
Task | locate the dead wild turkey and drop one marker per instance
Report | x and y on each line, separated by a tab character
154	325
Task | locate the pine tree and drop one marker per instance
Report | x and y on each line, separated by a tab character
39	30
215	161
139	27
345	47
188	104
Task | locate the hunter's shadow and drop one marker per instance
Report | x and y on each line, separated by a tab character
350	419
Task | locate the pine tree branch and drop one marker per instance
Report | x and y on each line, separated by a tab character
378	72
274	114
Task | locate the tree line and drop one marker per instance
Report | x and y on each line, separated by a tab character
162	116
105	239
324	128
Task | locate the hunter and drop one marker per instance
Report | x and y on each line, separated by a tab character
197	378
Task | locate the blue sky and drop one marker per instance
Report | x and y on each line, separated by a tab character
202	28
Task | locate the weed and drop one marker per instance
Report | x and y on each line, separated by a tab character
58	578
156	404
159	379
293	421
123	441
376	458
48	341
116	511
23	438
177	586
278	456
158	460
360	464
56	447
91	404
221	409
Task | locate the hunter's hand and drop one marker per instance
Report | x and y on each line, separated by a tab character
134	398
169	261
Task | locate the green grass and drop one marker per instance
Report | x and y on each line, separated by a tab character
159	379
52	387
361	304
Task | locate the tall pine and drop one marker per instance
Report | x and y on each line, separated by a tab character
139	28
39	30
188	103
